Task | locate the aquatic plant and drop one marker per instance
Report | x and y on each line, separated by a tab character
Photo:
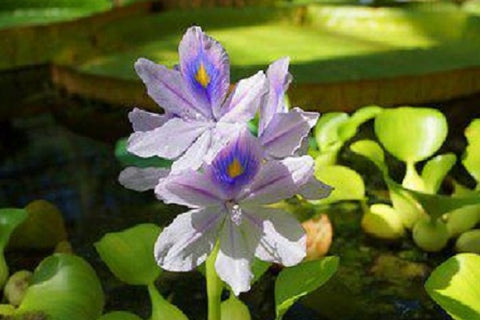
227	176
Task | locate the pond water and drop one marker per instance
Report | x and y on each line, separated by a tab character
40	158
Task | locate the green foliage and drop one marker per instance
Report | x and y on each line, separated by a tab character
435	171
346	183
295	282
384	222
471	159
128	159
234	309
119	315
454	286
129	254
411	134
161	308
63	287
9	219
469	242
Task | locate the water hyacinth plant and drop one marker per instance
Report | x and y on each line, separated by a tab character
226	175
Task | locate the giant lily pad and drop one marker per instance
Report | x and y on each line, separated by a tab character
454	286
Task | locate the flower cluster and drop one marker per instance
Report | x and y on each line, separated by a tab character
226	175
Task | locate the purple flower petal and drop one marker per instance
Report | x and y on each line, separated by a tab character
168	141
235	165
282	238
189	239
244	101
206	69
278	82
233	264
315	190
166	88
278	180
141	179
194	156
142	120
190	188
286	131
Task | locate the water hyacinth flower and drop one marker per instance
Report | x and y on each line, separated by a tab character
229	201
200	116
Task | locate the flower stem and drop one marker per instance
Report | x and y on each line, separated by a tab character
214	286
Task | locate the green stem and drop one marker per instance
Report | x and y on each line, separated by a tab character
412	180
214	286
161	308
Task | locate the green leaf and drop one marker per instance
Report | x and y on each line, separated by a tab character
409	209
372	151
129	254
411	134
348	129
9	219
128	159
435	171
469	242
234	309
119	315
384	222
161	308
347	184
44	227
295	282
471	158
454	286
326	130
64	287
259	267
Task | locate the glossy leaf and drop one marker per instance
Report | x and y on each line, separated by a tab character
471	159
119	315
129	254
44	227
384	222
326	130
409	209
348	129
435	171
372	151
430	235
161	308
462	219
469	242
64	287
454	286
234	309
411	134
347	184
295	282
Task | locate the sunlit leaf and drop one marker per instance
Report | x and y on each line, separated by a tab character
471	159
462	219
372	151
326	130
435	171
295	282
383	221
63	287
129	254
119	315
161	308
411	134
347	184
348	129
469	242
429	234
454	286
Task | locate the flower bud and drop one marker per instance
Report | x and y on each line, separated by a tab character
319	236
382	221
16	286
469	242
430	235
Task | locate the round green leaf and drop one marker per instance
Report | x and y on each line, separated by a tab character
435	171
129	254
348	129
469	242
63	287
326	130
372	151
382	221
119	315
454	286
295	282
347	184
471	159
161	308
234	309
411	134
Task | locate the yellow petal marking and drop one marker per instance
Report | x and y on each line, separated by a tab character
235	168
202	76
